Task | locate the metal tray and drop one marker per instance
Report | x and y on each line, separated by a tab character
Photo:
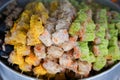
6	73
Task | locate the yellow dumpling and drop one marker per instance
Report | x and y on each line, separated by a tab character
22	50
17	37
32	59
25	16
36	28
17	34
15	59
39	7
39	70
25	67
41	11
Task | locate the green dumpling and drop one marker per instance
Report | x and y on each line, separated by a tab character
114	52
103	51
74	28
100	32
84	47
118	26
100	62
89	36
111	26
102	13
104	43
90	58
82	16
102	48
90	27
86	54
113	41
113	32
